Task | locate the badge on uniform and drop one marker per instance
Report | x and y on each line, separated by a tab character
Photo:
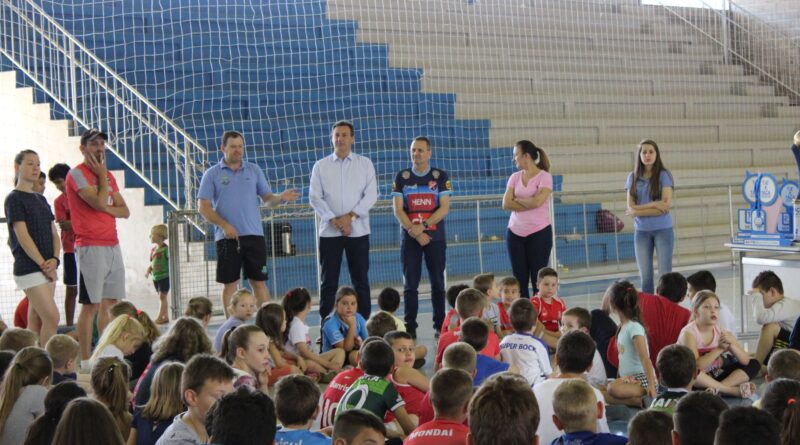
435	174
225	180
406	174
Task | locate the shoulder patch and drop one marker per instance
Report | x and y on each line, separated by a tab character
435	173
406	174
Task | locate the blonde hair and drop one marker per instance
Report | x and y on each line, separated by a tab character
238	295
62	348
109	379
160	230
575	405
151	331
30	366
166	399
120	327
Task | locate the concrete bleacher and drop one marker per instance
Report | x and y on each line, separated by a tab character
586	80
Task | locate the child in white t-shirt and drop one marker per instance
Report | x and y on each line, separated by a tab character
521	348
297	304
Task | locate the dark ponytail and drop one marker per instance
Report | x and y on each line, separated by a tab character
294	302
538	155
624	298
782	401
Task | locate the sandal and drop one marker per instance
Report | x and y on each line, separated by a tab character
746	390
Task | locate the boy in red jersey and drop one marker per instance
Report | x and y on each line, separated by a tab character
549	306
451	390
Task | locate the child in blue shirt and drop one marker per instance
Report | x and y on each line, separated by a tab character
475	332
345	328
575	411
296	399
637	377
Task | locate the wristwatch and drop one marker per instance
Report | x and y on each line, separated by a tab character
425	224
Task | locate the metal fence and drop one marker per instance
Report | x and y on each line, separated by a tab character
585	244
476	230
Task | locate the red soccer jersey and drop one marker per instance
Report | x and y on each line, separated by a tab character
62	214
451	318
334	392
92	227
492	348
549	313
411	395
438	432
505	320
426	413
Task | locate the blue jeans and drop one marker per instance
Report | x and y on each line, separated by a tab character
644	242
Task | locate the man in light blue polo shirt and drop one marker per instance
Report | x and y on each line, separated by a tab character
343	189
229	198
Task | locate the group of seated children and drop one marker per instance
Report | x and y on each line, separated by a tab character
181	394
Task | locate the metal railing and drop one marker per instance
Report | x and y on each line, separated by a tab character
761	47
476	228
167	158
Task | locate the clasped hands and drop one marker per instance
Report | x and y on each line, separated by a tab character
343	224
49	268
417	231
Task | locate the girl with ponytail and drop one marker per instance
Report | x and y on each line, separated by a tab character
141	356
23	393
782	400
246	349
297	304
43	428
637	376
109	379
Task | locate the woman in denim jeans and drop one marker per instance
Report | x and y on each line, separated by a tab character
649	194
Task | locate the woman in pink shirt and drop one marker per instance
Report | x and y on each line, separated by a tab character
530	235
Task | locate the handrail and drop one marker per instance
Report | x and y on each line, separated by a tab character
728	20
81	83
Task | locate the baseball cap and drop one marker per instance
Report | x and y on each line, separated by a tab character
92	134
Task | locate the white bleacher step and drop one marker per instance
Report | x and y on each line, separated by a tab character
413	22
555	85
707	159
568	132
618	65
550	42
502	10
498	74
554	35
496	54
668	107
613	177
